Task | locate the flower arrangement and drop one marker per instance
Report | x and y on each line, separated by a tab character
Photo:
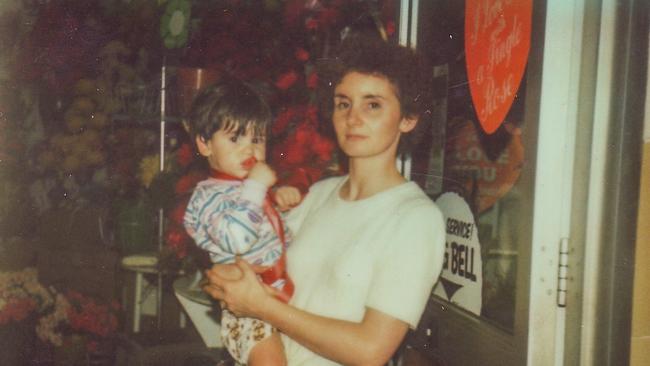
73	166
57	314
21	295
75	314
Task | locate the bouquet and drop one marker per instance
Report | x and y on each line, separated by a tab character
21	295
75	314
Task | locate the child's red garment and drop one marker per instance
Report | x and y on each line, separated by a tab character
279	270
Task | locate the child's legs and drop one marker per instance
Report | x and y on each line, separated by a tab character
269	351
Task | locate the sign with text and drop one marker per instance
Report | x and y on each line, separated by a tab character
497	41
461	280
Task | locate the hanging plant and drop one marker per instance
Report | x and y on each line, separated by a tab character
175	23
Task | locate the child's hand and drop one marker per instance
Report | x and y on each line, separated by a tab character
262	172
287	197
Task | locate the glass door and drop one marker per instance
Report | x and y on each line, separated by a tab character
498	162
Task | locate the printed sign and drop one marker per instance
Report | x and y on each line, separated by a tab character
497	41
461	280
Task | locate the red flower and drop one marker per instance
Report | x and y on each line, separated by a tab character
323	148
295	153
311	114
283	119
328	16
293	10
90	316
304	134
177	240
390	28
187	182
312	80
311	24
178	213
286	80
185	155
17	310
302	55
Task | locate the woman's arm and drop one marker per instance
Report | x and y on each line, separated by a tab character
370	342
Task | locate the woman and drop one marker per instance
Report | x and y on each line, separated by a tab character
368	246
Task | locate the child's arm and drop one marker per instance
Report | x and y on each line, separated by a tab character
234	223
235	227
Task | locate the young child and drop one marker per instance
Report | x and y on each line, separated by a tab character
230	214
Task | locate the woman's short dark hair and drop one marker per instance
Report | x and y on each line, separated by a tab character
402	66
228	104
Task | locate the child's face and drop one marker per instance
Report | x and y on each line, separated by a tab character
233	154
367	116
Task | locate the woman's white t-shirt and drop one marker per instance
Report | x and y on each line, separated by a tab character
384	252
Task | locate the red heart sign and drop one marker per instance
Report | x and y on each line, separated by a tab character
497	40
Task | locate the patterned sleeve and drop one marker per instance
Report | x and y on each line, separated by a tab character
225	221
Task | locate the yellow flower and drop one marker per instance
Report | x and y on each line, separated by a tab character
98	120
90	138
71	163
95	157
85	87
149	167
74	121
83	105
47	159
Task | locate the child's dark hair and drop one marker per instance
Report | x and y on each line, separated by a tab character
230	105
405	70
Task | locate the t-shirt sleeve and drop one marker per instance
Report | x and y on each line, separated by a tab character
410	264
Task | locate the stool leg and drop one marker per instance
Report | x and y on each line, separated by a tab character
182	322
137	302
159	301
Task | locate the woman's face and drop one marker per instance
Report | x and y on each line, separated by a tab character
367	116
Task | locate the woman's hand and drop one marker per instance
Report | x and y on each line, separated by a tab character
238	288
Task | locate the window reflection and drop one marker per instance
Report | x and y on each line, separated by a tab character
484	169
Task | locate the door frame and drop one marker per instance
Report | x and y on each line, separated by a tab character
555	96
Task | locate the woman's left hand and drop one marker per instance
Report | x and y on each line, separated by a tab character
243	294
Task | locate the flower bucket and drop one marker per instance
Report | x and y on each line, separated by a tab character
136	227
190	81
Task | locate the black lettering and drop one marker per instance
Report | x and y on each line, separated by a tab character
469	271
459	228
461	260
454	257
